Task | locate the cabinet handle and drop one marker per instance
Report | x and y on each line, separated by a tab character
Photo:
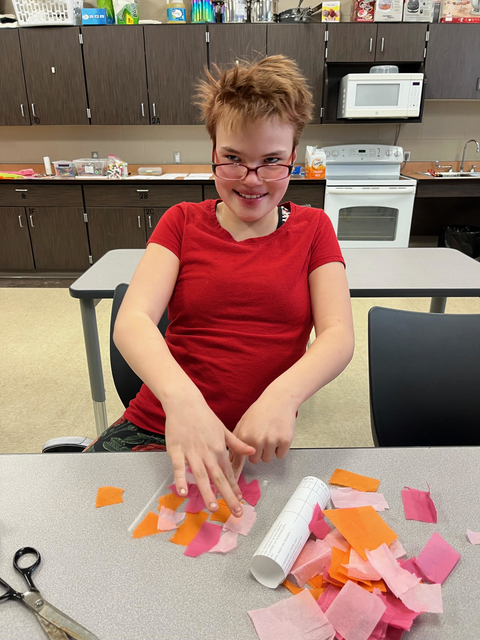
33	111
371	45
143	110
21	189
22	110
142	190
20	222
149	221
31	220
382	45
139	222
154	110
478	84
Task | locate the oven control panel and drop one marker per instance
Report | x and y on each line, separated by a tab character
366	153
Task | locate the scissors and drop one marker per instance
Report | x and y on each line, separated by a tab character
56	624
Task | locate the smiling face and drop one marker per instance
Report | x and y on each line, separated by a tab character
263	142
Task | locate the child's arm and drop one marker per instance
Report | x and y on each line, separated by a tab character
268	425
193	432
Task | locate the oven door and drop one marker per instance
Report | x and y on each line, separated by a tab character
371	217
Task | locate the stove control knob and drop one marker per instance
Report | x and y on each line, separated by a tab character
327	153
397	153
388	153
335	153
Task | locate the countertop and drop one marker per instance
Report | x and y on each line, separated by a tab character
133	170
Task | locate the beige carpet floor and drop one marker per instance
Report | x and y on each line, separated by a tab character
45	393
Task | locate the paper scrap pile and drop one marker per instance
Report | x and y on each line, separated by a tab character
352	581
194	526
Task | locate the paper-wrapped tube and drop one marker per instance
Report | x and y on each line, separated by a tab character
281	546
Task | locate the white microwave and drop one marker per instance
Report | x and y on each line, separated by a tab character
380	95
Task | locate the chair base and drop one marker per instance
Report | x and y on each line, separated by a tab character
67	444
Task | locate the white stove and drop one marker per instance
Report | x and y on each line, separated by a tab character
368	202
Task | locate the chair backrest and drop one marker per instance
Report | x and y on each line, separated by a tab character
424	374
127	383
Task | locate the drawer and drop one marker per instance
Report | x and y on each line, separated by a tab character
135	195
23	194
313	195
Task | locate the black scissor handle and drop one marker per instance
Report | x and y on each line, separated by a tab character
10	593
27	571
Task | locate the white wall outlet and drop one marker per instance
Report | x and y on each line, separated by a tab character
94	154
407	155
177	157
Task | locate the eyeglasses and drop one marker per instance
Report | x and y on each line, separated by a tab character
237	171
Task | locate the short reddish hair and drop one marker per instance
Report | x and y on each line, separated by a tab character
273	87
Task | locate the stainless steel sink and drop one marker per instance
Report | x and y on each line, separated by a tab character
451	174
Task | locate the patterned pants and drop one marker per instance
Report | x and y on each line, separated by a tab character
122	435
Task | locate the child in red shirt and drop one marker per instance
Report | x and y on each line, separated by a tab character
245	280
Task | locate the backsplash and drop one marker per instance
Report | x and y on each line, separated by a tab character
446	126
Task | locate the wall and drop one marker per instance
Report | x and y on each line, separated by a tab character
445	128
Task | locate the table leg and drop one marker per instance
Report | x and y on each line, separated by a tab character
437	305
94	361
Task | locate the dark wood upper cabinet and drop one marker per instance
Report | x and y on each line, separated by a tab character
400	42
453	65
231	42
351	42
116	75
13	96
176	57
304	43
52	60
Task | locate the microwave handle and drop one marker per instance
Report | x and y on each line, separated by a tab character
346	191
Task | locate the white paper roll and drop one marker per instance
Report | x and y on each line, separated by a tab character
272	561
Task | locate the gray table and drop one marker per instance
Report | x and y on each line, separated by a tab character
125	589
432	272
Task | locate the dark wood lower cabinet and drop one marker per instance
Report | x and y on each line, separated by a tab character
15	248
115	228
152	217
59	238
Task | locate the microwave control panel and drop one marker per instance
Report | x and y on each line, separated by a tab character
415	94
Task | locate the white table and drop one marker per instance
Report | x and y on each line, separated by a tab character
415	272
125	589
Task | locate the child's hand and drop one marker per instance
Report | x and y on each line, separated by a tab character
195	435
268	426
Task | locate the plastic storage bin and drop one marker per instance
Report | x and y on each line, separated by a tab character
64	169
91	166
46	13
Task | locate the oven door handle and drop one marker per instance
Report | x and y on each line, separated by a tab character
345	191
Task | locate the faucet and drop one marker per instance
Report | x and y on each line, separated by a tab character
464	150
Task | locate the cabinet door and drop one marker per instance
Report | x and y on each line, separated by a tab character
231	42
401	42
15	248
173	70
304	43
52	60
13	96
116	74
452	67
152	217
59	238
351	42
115	228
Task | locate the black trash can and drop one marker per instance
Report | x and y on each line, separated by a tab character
463	237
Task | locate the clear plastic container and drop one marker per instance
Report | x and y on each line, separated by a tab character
91	166
64	168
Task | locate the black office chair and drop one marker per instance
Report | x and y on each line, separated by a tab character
127	383
424	375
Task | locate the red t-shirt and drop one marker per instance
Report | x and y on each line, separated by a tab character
240	312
